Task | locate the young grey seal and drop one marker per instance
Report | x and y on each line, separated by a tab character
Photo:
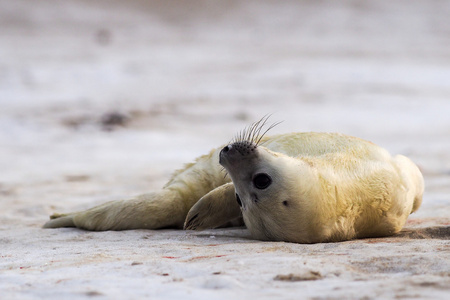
295	187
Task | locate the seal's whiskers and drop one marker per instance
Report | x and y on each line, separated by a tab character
252	133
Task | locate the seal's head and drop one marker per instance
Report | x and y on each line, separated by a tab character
271	188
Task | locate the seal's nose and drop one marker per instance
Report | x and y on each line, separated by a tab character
227	148
224	152
243	148
233	153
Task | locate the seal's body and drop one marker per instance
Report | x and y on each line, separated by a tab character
318	187
296	187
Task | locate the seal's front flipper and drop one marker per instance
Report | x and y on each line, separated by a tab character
214	209
60	220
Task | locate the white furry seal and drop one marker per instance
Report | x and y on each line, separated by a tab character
296	187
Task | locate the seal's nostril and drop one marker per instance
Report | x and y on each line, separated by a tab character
226	148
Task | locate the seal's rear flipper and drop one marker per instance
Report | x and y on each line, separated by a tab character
148	211
60	220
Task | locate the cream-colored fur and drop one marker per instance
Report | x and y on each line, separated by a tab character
326	187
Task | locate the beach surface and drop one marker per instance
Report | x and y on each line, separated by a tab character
103	100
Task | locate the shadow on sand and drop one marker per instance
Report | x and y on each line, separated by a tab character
437	232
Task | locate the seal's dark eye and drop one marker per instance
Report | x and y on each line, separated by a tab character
262	181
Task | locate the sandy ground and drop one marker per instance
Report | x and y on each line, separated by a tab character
102	100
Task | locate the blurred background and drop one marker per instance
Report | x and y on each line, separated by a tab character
102	99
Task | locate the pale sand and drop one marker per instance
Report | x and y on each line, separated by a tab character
186	78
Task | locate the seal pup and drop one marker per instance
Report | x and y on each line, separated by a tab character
295	187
